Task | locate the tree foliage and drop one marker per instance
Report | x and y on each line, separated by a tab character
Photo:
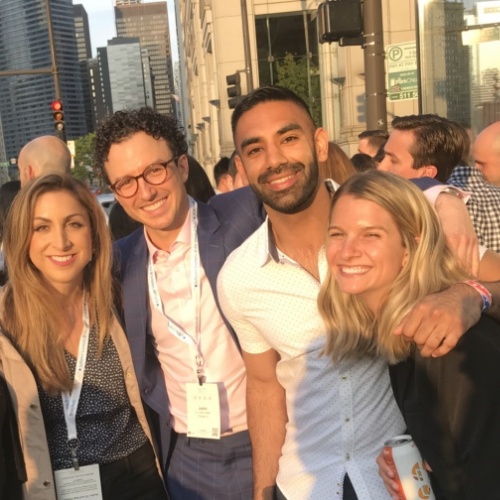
84	169
301	74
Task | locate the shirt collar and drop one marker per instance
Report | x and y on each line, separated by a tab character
183	238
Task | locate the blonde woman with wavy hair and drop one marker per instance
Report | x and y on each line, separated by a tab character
386	251
64	354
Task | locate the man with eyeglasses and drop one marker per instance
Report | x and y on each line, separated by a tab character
185	354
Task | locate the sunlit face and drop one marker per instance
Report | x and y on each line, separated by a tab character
398	159
364	249
161	208
61	243
277	146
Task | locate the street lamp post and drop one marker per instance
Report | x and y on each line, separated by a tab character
246	42
375	91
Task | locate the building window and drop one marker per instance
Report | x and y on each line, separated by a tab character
459	44
287	46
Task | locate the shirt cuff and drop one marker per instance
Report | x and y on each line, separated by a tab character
433	192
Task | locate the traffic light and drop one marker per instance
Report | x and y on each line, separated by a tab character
233	90
58	114
340	21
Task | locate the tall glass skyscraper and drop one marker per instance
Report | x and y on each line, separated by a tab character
149	23
24	45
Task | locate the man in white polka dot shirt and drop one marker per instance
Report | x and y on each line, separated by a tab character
316	428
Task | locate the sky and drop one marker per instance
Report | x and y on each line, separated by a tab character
102	22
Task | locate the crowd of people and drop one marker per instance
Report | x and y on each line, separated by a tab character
257	341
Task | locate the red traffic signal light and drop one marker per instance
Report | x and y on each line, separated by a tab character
58	115
56	105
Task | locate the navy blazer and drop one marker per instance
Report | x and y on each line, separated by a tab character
222	226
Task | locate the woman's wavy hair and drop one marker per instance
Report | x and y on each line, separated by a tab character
32	312
352	329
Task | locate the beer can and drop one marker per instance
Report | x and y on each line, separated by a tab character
409	472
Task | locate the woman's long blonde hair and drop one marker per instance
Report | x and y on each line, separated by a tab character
352	329
32	312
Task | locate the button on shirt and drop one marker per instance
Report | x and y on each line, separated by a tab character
223	362
338	415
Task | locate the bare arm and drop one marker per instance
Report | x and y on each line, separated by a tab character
267	417
459	231
489	267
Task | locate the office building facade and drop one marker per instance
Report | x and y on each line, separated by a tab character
25	45
84	51
149	23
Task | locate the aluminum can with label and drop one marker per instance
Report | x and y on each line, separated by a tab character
407	465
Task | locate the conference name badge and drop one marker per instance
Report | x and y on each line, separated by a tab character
81	484
203	411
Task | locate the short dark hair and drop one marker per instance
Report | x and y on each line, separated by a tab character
363	162
198	184
375	138
267	94
123	124
438	141
221	169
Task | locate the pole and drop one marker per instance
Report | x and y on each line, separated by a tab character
246	43
376	95
55	68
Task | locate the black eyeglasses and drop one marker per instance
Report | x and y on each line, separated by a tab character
154	175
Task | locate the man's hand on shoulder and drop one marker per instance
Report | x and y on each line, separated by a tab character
438	321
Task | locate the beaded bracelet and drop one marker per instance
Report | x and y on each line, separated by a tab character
481	290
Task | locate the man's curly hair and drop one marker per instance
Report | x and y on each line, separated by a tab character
121	125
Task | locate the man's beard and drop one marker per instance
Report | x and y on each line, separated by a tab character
297	197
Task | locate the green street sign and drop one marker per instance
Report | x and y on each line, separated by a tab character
402	75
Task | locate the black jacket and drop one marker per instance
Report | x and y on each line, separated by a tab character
451	406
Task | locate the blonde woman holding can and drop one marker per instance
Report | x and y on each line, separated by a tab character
386	251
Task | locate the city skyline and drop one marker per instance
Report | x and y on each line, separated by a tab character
103	28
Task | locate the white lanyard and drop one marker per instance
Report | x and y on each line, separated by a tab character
70	400
174	328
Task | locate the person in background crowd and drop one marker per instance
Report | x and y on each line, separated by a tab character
337	167
12	469
378	158
423	146
64	354
370	141
239	177
8	192
305	414
223	179
198	184
431	146
41	156
484	202
487	153
182	345
120	224
362	162
385	252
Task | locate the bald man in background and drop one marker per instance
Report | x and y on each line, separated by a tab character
43	155
487	153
